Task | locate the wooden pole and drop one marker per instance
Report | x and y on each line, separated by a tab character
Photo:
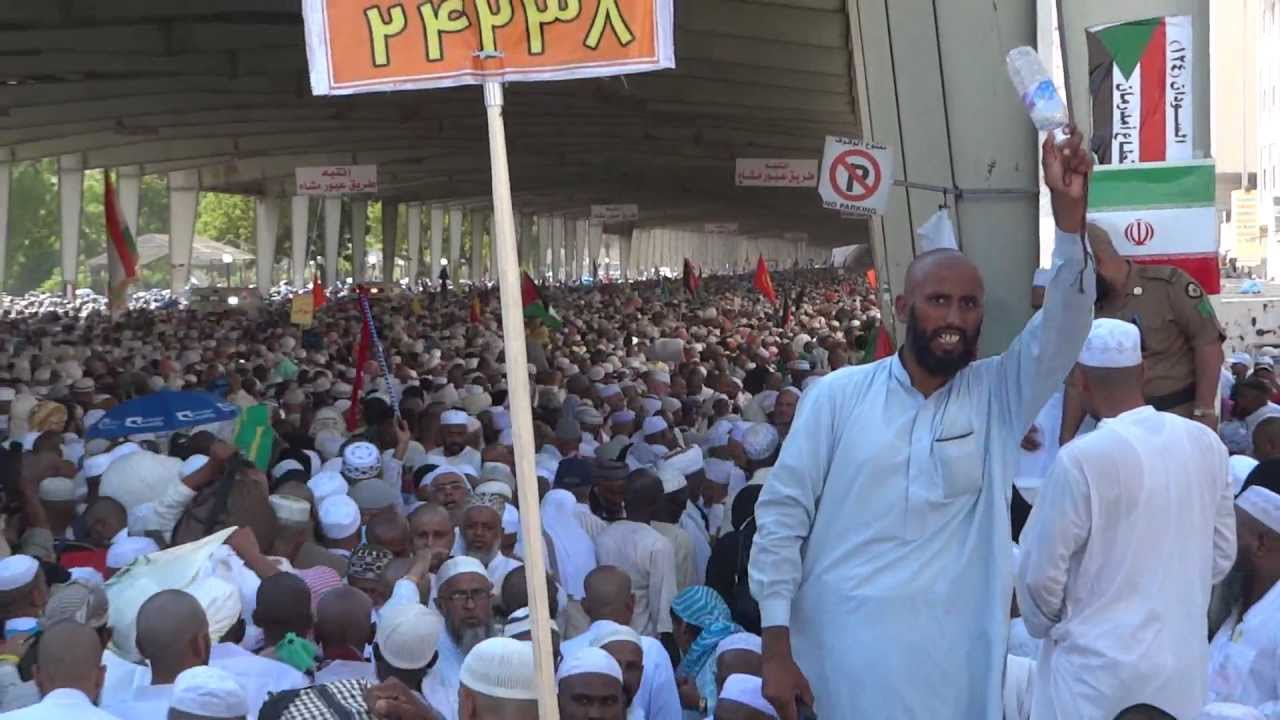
513	338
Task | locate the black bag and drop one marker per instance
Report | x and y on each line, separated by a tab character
742	605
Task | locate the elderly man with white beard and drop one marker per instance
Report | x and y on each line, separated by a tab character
464	596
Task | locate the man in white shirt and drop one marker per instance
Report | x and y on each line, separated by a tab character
465	599
453	450
1133	526
68	675
644	554
482	534
173	635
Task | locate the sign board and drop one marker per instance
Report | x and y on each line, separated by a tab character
723	228
615	213
303	310
337	179
856	176
756	172
384	45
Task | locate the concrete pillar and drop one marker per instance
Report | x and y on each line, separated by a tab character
266	227
595	233
184	201
475	267
413	215
332	231
557	248
71	196
299	214
543	256
455	242
572	265
359	229
528	240
390	231
437	240
5	174
953	119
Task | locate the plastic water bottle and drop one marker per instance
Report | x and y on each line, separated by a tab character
1038	93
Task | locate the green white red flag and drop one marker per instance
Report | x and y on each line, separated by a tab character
121	248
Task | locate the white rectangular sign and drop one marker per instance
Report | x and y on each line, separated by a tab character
723	228
759	172
615	213
337	179
856	176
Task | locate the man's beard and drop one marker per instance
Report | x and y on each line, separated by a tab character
933	363
454	449
484	556
468	636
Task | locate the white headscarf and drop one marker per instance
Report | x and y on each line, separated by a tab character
575	550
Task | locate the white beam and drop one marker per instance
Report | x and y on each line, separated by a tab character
437	239
359	228
184	201
390	229
571	264
299	215
332	230
413	214
71	197
557	247
595	233
266	228
455	242
475	270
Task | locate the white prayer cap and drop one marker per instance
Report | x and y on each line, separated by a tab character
289	509
220	601
759	441
610	390
127	549
494	487
1112	344
16	571
662	377
453	417
588	415
87	576
208	692
654	425
747	690
285	466
339	517
192	464
501	668
589	661
374	495
510	519
326	485
441	472
96	465
607	631
518	622
670	404
58	489
686	462
651	406
459	566
1229	711
1263	505
361	460
499	472
1239	467
672	479
719	471
1264	362
1241	358
329	443
739	641
408	634
622	416
1041	277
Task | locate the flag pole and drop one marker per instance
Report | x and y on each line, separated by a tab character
513	339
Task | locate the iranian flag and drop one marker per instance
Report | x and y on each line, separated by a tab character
1140	79
1160	214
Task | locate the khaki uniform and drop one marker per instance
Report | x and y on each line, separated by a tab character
1174	316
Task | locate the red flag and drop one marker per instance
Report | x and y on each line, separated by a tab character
872	279
764	282
118	230
363	351
476	311
318	295
692	280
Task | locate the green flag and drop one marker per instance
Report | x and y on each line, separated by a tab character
254	435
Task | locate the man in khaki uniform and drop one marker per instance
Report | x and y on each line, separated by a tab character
1181	338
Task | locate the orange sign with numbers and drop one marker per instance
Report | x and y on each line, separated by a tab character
356	46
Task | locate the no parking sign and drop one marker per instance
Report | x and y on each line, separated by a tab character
856	176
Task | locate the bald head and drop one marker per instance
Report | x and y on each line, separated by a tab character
391	531
343	617
644	495
945	261
942	303
173	633
515	592
69	656
284	606
608	595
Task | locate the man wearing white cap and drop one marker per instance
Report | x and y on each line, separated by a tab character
1244	655
340	526
207	693
499	681
742	698
68	674
406	641
464	595
911	458
645	555
1117	561
589	686
453	449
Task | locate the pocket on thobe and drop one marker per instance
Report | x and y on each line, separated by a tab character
957	456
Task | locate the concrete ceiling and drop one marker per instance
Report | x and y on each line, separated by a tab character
220	86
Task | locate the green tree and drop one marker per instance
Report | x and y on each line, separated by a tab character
227	219
31	256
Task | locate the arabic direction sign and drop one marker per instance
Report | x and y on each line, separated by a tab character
383	45
615	213
856	176
337	179
756	172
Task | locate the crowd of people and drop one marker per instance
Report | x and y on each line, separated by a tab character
749	508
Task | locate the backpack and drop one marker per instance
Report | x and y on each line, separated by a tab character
342	700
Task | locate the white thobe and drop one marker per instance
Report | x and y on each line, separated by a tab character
259	676
883	536
468	458
1244	657
63	704
440	687
498	568
695	524
339	670
650	562
591	523
686	571
148	702
1033	465
657	697
1134	525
